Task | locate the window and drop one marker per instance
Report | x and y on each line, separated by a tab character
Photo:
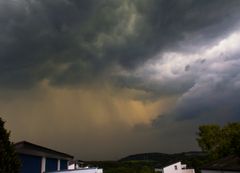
175	166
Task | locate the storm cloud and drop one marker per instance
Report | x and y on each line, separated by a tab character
68	42
92	68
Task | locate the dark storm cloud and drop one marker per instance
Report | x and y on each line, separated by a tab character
68	41
33	39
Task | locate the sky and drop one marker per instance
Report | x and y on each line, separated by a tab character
102	79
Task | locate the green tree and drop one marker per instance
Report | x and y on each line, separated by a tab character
230	143
9	162
220	141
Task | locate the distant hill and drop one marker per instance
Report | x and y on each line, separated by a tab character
163	159
147	157
141	162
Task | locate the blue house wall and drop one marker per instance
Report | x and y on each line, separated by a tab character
30	164
63	164
35	158
51	164
33	164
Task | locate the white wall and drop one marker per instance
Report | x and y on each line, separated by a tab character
175	168
72	166
171	168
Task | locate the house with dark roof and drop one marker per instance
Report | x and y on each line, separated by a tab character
39	159
230	164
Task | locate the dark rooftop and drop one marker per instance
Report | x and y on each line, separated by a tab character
230	163
25	147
